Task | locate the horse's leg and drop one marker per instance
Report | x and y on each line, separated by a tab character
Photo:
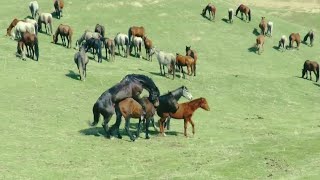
185	127
315	74
115	128
139	128
168	123
164	70
192	124
160	69
310	76
107	114
147	128
161	126
127	127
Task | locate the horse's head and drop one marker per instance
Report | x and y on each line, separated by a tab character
203	11
186	93
188	48
204	104
8	32
55	39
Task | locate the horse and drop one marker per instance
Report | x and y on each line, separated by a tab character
122	40
294	37
311	35
263	26
58	6
246	10
165	59
259	44
34	22
34	8
135	31
87	35
193	54
269	28
32	46
81	59
64	31
95	44
185	61
230	15
310	66
212	11
99	29
136	43
13	23
46	19
131	86
22	27
148	46
282	42
110	48
185	112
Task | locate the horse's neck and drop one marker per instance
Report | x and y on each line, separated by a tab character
194	105
177	94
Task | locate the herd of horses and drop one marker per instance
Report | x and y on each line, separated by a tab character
123	99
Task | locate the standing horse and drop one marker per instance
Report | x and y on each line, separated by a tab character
95	44
64	31
132	86
34	8
182	61
230	15
294	37
165	59
194	55
58	6
148	46
22	27
34	22
99	29
263	26
87	35
46	19
135	31
259	44
269	28
110	48
311	35
212	11
11	26
185	112
282	42
310	66
31	42
81	59
122	40
136	43
246	10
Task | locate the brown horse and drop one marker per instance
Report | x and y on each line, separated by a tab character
12	25
294	37
31	42
185	61
263	26
185	112
310	66
64	31
110	48
58	6
194	55
135	31
259	44
244	9
212	11
100	29
148	46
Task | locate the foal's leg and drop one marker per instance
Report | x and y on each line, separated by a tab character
192	124
127	127
147	128
160	69
310	76
185	127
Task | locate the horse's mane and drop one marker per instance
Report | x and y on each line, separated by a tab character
145	80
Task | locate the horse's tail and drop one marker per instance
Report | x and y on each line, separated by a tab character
238	9
317	73
306	37
36	48
80	67
96	114
129	35
249	14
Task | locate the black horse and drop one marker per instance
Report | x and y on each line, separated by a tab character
130	86
99	29
95	44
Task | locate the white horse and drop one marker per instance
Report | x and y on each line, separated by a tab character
21	28
165	59
87	35
45	18
230	15
34	8
282	42
269	28
136	43
122	40
35	24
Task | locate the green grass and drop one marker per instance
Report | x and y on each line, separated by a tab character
263	121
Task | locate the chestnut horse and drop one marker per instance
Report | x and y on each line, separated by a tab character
259	44
185	61
64	31
212	11
12	25
311	35
58	6
31	42
310	66
244	9
148	46
193	54
135	31
294	37
185	112
263	26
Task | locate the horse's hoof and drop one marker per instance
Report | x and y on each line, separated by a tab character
147	137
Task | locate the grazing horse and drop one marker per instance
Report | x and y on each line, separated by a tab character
12	25
259	44
34	8
269	28
64	31
230	15
20	49
165	59
244	9
185	61
31	42
194	55
34	22
87	35
22	27
185	112
148	46
81	59
310	66
110	48
95	44
46	19
131	86
99	29
311	35
122	40
136	43
282	42
212	11
135	31
58	6
263	26
294	37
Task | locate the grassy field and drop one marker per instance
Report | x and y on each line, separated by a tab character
263	123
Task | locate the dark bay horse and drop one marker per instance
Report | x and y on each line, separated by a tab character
182	61
244	10
32	46
310	66
58	6
95	44
259	44
310	35
185	112
194	55
294	37
81	59
263	26
132	86
212	11
148	46
100	29
64	31
11	26
135	31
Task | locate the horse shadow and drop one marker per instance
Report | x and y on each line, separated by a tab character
29	17
54	15
73	75
225	20
317	84
255	32
252	49
204	16
276	48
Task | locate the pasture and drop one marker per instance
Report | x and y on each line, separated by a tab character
263	123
